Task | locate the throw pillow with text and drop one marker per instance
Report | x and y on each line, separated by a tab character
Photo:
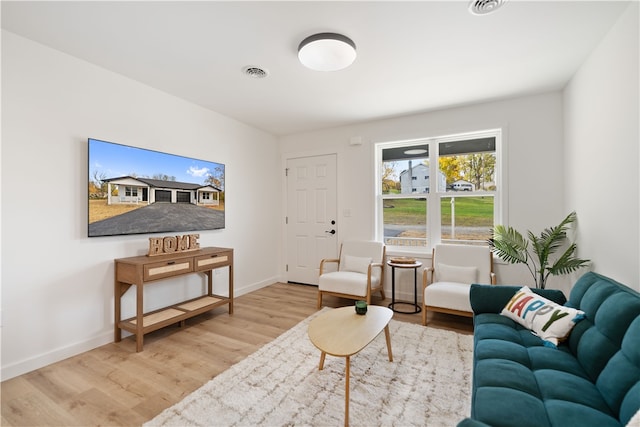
550	321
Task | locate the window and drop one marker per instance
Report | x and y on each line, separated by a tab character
466	202
131	191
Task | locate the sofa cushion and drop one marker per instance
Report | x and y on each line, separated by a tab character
490	327
612	326
567	414
545	358
492	299
504	407
548	320
555	384
619	381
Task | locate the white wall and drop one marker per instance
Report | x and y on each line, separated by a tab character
57	284
602	156
533	132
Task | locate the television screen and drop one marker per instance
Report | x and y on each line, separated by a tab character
138	191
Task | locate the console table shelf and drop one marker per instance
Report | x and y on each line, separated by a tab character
143	270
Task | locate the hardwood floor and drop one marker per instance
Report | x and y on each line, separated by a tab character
114	385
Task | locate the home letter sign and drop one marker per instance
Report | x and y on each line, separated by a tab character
172	244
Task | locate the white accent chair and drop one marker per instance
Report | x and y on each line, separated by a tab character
446	284
356	274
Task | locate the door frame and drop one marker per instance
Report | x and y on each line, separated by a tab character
283	165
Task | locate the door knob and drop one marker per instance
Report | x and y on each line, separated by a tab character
331	231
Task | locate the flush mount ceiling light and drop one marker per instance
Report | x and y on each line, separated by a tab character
485	7
327	52
415	151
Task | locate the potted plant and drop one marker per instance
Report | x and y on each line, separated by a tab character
536	252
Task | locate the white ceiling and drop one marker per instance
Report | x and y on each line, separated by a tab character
412	56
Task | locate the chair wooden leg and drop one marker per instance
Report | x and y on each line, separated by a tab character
382	293
424	315
319	306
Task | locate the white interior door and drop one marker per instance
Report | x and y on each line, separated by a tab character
312	229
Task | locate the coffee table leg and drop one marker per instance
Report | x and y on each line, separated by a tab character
322	355
388	337
346	392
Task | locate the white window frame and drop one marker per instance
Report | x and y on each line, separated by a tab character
434	221
131	191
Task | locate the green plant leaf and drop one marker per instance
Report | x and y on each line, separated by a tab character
567	262
509	245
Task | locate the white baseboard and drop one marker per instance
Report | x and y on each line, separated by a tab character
42	360
106	337
254	286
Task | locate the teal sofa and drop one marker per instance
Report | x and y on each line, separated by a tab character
591	379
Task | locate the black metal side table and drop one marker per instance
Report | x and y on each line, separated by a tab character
415	265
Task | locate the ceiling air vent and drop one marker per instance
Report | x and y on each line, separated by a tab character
485	7
255	72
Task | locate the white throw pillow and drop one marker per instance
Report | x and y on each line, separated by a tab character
550	321
454	273
356	264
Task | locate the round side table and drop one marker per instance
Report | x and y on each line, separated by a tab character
415	307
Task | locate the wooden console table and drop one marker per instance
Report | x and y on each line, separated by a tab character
143	270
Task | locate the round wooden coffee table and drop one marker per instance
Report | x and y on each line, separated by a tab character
342	333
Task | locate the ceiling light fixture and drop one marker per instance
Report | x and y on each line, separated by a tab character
485	7
327	52
415	151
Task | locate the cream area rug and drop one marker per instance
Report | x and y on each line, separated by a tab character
427	384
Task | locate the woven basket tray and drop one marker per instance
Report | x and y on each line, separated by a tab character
402	260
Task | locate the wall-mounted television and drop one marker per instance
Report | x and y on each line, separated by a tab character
138	191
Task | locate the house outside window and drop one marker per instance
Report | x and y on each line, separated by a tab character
460	204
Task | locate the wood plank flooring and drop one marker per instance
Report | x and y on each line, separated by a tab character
115	386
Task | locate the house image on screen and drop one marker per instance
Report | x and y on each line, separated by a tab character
416	179
133	190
